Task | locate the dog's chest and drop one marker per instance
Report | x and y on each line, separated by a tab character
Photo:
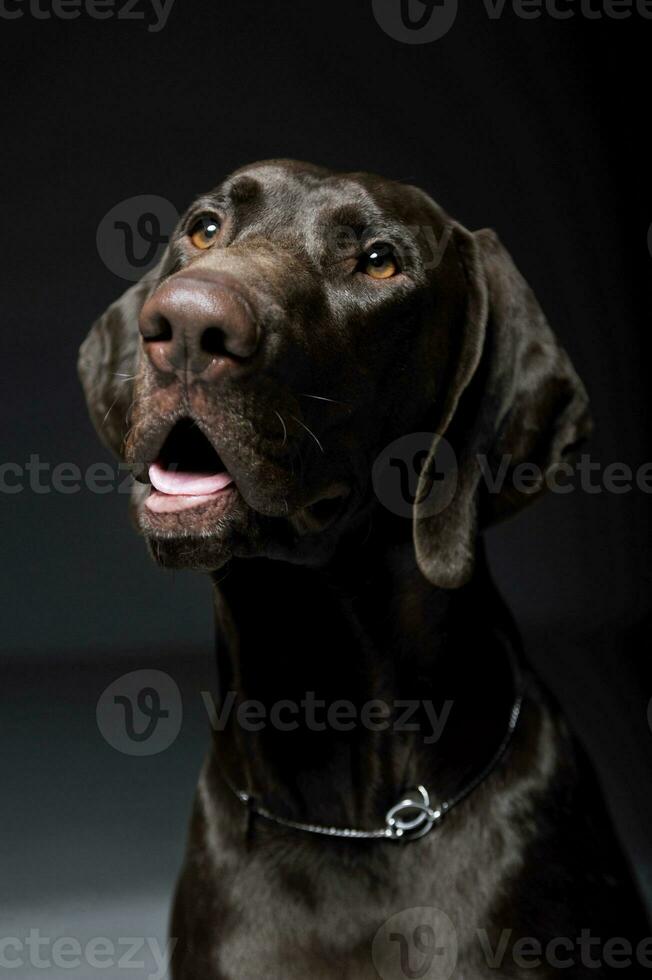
289	906
305	913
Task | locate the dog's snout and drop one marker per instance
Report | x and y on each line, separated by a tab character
201	325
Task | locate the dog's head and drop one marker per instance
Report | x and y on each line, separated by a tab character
299	322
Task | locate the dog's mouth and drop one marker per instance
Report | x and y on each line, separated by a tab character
188	471
191	489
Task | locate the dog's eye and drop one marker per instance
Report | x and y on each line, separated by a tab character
379	262
204	231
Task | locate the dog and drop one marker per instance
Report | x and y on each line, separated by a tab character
299	323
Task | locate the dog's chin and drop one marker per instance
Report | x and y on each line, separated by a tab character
205	532
188	533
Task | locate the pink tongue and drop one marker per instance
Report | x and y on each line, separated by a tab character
188	484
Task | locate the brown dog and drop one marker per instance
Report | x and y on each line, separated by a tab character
300	322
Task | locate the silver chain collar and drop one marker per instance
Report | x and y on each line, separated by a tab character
412	817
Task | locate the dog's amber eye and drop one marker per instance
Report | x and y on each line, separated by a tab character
204	232
380	262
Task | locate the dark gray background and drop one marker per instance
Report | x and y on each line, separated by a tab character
535	128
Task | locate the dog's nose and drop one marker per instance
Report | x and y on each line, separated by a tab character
200	324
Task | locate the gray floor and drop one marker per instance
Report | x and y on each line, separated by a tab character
117	937
93	839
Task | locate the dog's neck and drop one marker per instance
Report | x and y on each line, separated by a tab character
293	641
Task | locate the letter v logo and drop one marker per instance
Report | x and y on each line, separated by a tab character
415	21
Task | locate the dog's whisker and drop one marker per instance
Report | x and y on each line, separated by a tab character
309	431
285	430
131	427
110	408
218	581
322	398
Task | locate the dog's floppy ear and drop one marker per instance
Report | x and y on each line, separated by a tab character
514	399
108	361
